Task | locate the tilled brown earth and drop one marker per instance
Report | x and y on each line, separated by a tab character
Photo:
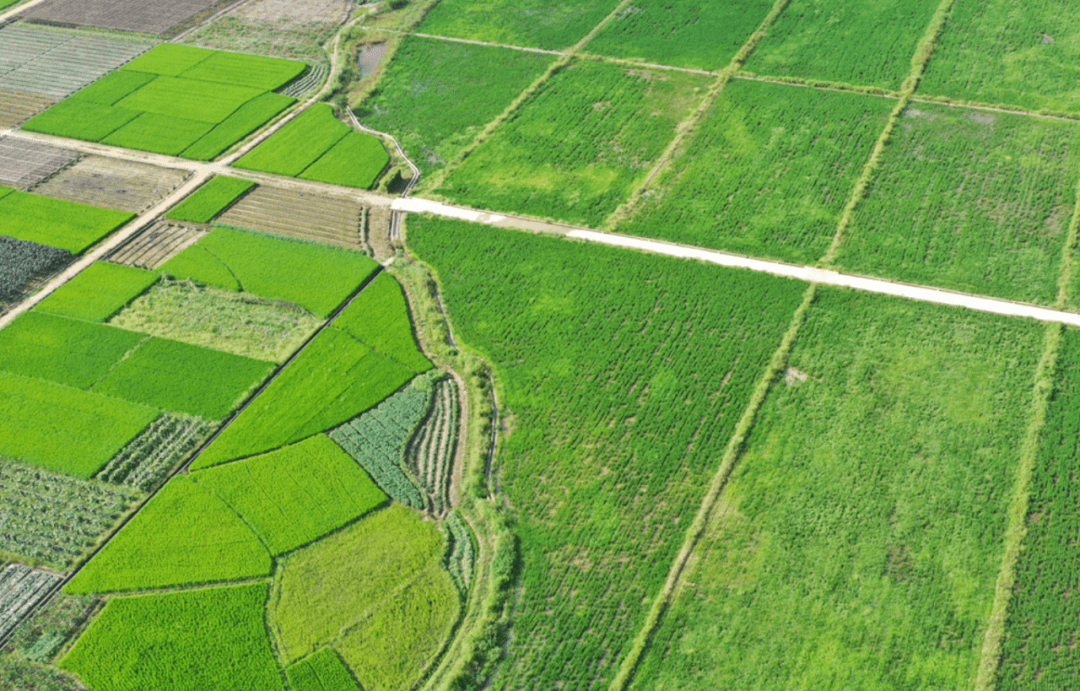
142	16
24	163
16	107
113	183
299	214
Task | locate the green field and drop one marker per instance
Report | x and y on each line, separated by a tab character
274	268
1042	617
298	144
436	96
355	161
858	542
56	222
184	536
98	292
861	43
295	495
66	351
548	24
184	378
210	199
323	671
1014	54
577	148
175	100
973	201
623	399
238	323
333	379
161	134
376	592
64	429
767	172
202	640
379	317
697	34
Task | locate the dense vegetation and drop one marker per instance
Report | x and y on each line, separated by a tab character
862	43
22	261
622	402
98	292
979	202
858	542
436	95
698	34
767	172
1014	54
548	24
210	199
1041	630
575	150
56	222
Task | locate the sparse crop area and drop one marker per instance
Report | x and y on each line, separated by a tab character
974	201
112	183
767	172
618	426
300	215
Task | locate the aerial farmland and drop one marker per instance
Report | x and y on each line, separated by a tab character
435	345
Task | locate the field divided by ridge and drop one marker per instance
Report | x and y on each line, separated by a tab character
623	404
546	24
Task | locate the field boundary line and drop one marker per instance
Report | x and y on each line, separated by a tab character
564	59
990	655
923	51
626	210
841	87
697	529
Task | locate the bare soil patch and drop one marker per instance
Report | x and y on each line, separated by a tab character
299	214
113	183
25	163
142	16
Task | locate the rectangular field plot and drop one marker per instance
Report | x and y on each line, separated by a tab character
858	542
274	268
547	24
122	15
210	200
64	429
625	400
767	172
852	41
37	510
113	183
1043	613
698	34
21	589
574	151
157	244
323	671
978	202
1015	54
25	264
300	215
99	292
24	163
436	95
16	107
184	378
54	64
56	222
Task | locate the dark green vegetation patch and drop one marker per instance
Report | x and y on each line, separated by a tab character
861	533
98	292
212	639
1043	614
577	148
974	201
210	199
66	351
852	41
297	494
624	400
56	222
21	262
698	34
184	378
1015	54
185	535
316	277
767	172
548	24
436	95
64	429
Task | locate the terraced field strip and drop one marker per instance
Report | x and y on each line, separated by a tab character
113	183
300	215
158	244
21	589
16	107
24	163
56	64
